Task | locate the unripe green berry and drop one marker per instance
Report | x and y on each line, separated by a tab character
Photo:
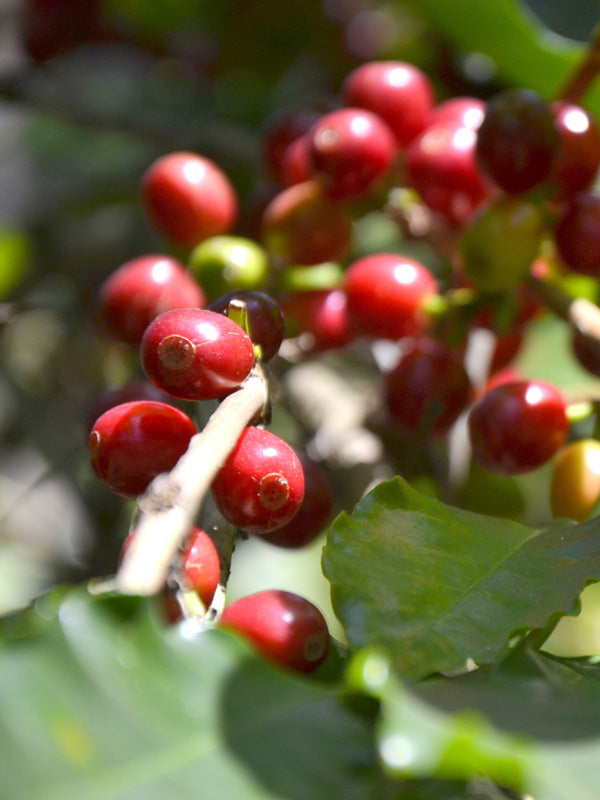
223	263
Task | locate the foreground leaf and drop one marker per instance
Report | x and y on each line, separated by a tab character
437	586
418	740
99	704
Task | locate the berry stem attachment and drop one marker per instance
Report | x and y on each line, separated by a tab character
170	504
579	312
585	73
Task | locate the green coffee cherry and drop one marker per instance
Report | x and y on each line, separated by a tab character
223	263
500	243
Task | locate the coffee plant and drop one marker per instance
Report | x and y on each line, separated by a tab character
300	413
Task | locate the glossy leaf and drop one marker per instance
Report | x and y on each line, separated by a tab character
437	586
418	740
521	50
98	701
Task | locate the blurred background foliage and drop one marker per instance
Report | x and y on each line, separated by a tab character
90	93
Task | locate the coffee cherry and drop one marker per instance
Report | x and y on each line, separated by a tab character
131	444
223	263
141	289
428	389
461	112
285	629
279	131
577	234
321	315
401	94
314	513
261	484
200	565
196	354
578	156
518	426
296	162
188	198
517	140
265	320
441	166
109	398
575	486
350	151
386	294
302	226
500	243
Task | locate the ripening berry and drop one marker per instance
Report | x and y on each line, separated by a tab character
285	628
261	484
188	198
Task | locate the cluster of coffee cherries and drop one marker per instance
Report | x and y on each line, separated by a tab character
502	189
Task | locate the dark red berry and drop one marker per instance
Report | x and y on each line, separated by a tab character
188	198
265	320
350	151
442	167
261	484
296	162
386	295
518	426
578	157
132	443
577	233
141	289
400	93
285	628
586	350
314	513
428	389
302	226
321	315
196	354
109	398
517	140
279	131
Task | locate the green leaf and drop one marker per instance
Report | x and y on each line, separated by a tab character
436	585
521	49
418	740
555	701
99	701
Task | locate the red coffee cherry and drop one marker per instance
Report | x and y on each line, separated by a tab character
518	426
131	444
577	233
141	289
261	484
322	314
386	294
578	156
109	398
314	513
265	320
296	166
462	112
302	226
401	94
285	628
188	198
350	151
428	389
196	354
200	569
442	167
